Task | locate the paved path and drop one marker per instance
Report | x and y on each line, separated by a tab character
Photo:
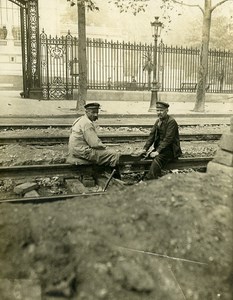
12	105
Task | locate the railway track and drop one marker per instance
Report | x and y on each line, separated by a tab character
116	122
65	171
109	125
128	165
105	137
71	170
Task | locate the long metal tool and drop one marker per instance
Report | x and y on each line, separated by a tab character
109	179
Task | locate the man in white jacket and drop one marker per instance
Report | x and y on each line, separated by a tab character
84	143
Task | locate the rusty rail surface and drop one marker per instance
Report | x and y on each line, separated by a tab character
71	170
132	121
105	137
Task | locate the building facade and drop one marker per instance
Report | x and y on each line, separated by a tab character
51	20
10	46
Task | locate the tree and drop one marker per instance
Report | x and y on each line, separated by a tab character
82	59
82	83
221	35
137	6
207	10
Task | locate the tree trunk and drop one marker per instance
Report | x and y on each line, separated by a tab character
82	60
203	69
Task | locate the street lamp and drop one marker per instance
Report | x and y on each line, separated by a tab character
156	26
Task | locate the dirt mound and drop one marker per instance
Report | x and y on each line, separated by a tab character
166	239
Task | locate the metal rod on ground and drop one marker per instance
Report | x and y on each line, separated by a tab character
48	198
109	179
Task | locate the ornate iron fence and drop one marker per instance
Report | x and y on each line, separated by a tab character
128	66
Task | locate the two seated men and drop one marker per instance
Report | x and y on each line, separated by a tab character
86	146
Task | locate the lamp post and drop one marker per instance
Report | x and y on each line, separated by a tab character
156	26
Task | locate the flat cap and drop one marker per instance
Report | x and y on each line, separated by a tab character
161	104
93	105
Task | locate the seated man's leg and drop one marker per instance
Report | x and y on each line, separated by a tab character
110	158
158	164
155	169
105	157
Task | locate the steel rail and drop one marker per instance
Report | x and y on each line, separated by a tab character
143	123
40	170
105	137
128	165
71	170
67	126
50	198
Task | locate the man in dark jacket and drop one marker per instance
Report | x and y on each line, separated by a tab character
164	137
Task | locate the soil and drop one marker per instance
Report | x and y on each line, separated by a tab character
166	239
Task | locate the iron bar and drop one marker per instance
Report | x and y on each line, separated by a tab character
71	170
105	137
119	61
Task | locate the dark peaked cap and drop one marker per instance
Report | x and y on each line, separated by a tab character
161	104
93	105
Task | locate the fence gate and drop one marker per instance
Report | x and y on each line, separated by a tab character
57	67
30	45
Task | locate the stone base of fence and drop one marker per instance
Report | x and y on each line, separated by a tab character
36	93
106	95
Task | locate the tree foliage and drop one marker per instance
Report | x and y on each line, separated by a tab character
221	34
135	6
88	3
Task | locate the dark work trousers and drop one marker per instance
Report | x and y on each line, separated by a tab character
159	163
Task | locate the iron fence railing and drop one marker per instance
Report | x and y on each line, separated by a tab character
128	66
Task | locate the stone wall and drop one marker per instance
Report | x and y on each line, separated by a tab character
223	160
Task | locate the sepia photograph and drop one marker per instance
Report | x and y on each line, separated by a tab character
116	149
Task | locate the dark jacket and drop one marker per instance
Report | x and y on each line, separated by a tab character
165	137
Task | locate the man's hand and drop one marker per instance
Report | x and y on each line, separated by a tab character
154	154
139	153
143	151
